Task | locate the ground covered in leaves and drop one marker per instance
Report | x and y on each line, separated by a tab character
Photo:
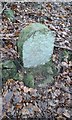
54	100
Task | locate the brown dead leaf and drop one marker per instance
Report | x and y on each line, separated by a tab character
25	111
13	6
60	117
9	46
32	91
10	81
61	16
49	6
18	106
26	89
16	33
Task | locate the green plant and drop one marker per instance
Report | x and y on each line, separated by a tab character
9	14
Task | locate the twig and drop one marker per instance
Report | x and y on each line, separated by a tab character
4	34
66	91
62	47
19	21
4	8
22	68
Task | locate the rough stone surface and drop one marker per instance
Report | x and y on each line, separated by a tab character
37	42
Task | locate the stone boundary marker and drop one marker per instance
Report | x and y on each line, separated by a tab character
1	25
35	0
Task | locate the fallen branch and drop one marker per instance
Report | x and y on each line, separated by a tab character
4	8
62	47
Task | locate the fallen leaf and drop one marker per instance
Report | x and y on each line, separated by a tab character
25	111
66	113
60	118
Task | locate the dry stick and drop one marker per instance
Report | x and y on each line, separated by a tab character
3	8
67	48
67	91
21	66
19	21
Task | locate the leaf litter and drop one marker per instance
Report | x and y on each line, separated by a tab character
54	100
